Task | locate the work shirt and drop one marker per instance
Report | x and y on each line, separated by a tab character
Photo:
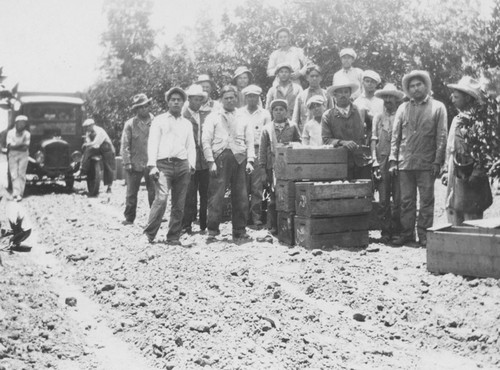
98	137
228	130
301	113
134	143
288	93
257	119
13	138
197	120
209	106
271	137
340	125
381	133
171	137
293	56
311	135
371	106
418	137
353	74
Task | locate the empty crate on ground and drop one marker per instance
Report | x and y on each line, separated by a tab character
465	250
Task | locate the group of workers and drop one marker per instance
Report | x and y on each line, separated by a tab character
202	147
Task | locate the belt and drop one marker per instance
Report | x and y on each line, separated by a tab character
172	159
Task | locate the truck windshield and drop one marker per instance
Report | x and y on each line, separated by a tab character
52	119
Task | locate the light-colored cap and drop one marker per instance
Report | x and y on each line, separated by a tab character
423	75
175	90
348	51
252	89
21	118
390	89
279	102
282	65
373	75
316	99
196	90
206	78
88	122
239	71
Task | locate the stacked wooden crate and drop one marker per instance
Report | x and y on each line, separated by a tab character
294	165
333	214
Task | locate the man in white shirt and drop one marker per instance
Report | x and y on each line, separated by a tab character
355	75
18	143
228	145
257	117
97	142
171	159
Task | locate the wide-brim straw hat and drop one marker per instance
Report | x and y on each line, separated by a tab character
469	86
341	82
424	75
196	90
140	100
390	89
206	78
239	71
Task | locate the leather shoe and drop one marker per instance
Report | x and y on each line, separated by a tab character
402	240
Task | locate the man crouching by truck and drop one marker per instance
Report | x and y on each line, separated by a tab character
97	142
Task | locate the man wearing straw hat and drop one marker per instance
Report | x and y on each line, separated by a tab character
418	144
242	78
381	147
287	54
355	75
134	152
208	85
468	192
199	180
342	126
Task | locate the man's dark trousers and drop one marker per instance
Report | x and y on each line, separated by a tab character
198	184
174	175
228	171
133	184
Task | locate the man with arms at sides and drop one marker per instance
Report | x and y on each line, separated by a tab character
134	151
228	145
278	132
200	178
258	118
171	159
367	103
311	135
418	144
381	148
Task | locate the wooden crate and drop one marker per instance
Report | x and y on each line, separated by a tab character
332	232
285	195
286	231
310	164
464	250
338	198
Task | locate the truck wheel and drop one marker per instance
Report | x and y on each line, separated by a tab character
94	176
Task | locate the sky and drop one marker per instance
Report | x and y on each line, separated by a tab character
53	45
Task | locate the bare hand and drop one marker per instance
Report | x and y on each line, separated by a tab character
154	173
393	167
436	170
349	144
213	169
128	167
249	168
444	179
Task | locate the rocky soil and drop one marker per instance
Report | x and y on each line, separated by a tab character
93	294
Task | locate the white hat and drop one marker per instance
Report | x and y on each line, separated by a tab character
175	90
469	86
240	70
279	102
348	51
341	82
206	78
88	122
424	75
316	99
21	118
373	75
282	65
195	90
252	89
390	89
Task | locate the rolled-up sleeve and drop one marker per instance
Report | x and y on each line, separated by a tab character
207	136
153	142
441	134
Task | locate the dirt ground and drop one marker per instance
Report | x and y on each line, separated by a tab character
93	294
